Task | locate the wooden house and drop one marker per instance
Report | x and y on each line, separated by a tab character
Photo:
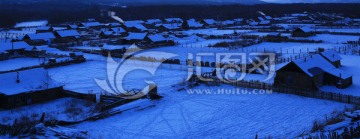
14	48
172	20
43	29
27	87
134	27
119	32
45	38
169	27
191	24
208	22
91	25
302	32
158	40
135	37
65	36
311	74
107	34
332	57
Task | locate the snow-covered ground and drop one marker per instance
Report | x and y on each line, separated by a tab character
182	115
17	63
353	30
213	31
334	39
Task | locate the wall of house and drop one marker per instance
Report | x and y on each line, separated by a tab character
23	99
294	79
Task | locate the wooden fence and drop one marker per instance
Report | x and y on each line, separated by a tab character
338	97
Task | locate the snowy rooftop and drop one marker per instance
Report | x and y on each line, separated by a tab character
8	46
319	62
136	36
156	38
91	24
306	29
209	21
108	32
43	28
228	22
193	23
136	25
30	80
173	20
152	21
331	55
171	26
118	30
41	36
68	33
31	24
264	22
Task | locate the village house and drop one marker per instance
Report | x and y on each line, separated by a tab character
32	51
91	25
303	32
158	40
27	87
310	74
153	21
208	22
172	20
119	32
135	37
169	27
107	34
275	37
39	38
65	36
332	57
134	27
70	27
191	24
43	29
14	48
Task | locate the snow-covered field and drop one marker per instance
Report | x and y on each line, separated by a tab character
182	115
353	30
213	31
17	63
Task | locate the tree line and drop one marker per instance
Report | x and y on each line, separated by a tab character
10	14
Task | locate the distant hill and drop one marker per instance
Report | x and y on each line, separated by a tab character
312	1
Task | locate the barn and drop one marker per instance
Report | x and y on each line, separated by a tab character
332	57
14	48
135	37
39	38
27	87
311	74
65	36
208	22
303	32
